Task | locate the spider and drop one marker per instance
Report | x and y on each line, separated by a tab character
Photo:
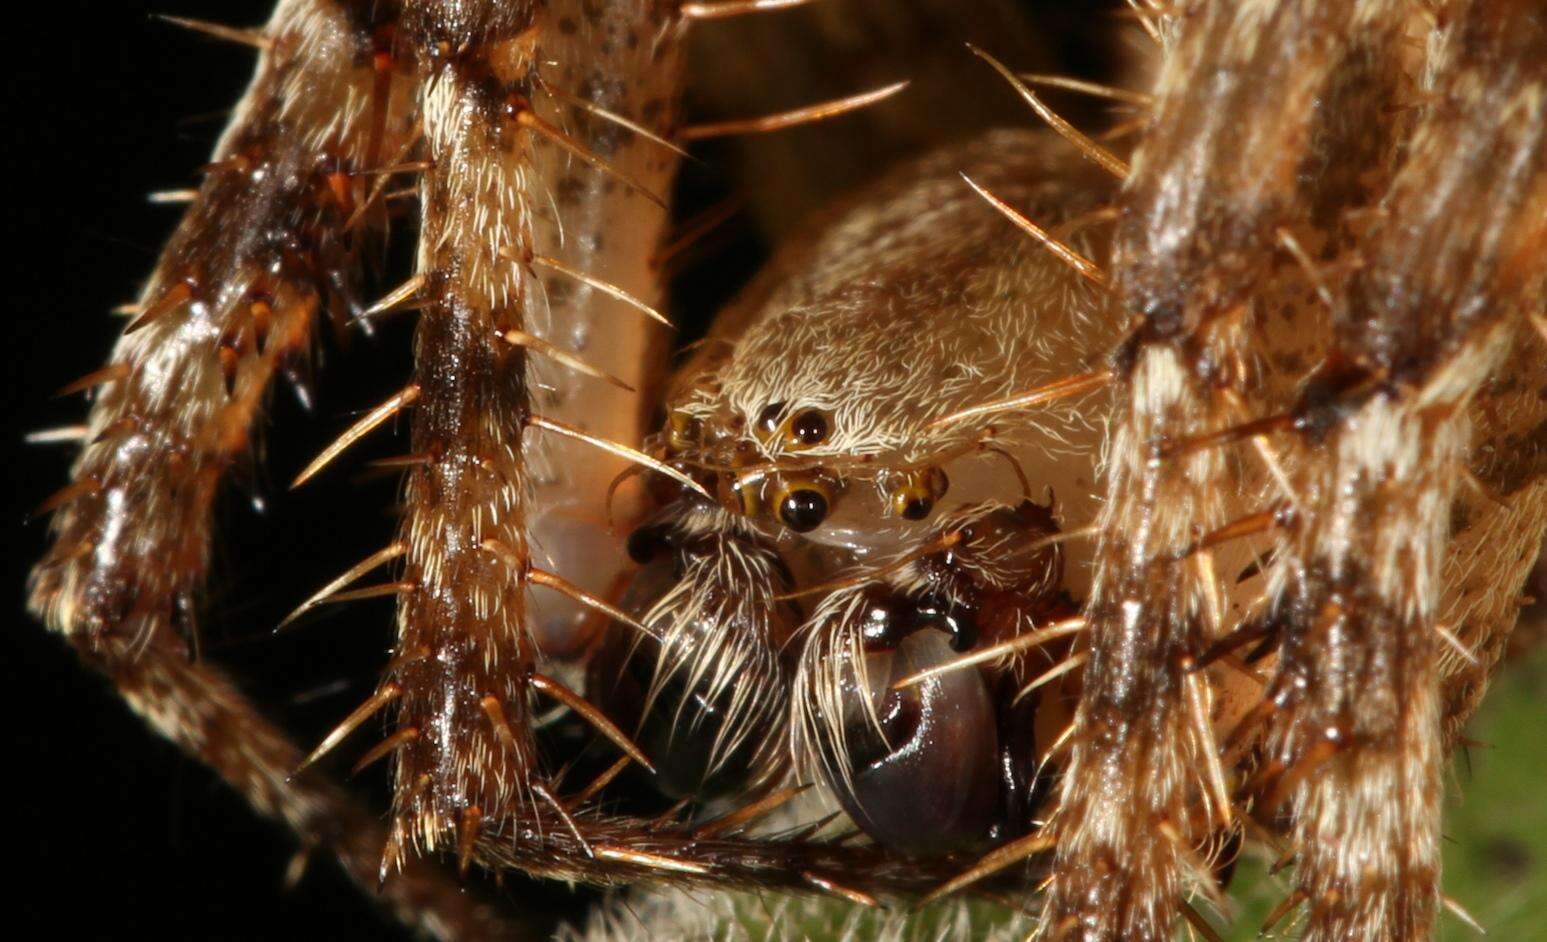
1067	525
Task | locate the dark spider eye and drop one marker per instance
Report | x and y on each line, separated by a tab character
915	496
803	509
768	419
912	503
808	427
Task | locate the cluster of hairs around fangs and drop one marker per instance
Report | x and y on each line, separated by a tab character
729	580
832	664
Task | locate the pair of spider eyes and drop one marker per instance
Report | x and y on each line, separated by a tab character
803	503
806	428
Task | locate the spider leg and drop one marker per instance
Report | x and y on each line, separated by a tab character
1452	268
506	177
233	300
462	631
195	706
1238	117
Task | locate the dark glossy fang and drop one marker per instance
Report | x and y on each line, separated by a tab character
926	781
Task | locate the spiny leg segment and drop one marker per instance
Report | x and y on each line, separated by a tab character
1444	290
346	93
1216	175
462	633
274	235
234	299
1442	280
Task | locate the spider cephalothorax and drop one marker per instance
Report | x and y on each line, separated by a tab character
1066	517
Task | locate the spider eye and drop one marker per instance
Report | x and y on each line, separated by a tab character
803	507
914	498
912	503
809	427
682	431
768	420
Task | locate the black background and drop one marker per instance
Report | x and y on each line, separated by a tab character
111	832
